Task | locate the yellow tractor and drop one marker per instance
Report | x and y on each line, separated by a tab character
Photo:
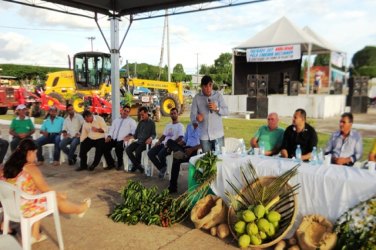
91	76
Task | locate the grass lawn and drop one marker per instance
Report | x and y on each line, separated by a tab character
240	128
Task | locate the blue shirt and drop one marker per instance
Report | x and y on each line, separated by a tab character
351	146
211	127
192	136
55	126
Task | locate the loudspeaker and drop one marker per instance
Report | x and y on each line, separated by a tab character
252	85
285	79
293	88
355	86
259	105
364	88
359	104
262	85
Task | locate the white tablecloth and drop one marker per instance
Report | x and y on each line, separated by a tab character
326	190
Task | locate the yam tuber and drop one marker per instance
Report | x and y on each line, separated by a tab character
213	231
294	247
223	231
280	245
292	241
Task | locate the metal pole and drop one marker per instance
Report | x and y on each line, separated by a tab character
115	79
197	71
91	38
309	67
168	49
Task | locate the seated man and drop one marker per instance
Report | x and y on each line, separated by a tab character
345	145
50	130
173	131
145	133
21	127
299	133
92	135
121	131
71	134
183	151
271	135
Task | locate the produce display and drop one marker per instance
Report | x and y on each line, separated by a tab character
262	211
356	228
149	206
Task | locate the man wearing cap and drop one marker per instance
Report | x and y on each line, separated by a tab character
183	150
122	129
71	134
50	130
21	127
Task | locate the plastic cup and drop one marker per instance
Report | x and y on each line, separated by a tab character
371	166
327	159
256	151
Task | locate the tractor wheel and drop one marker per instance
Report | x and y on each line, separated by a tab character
58	97
3	110
78	103
168	102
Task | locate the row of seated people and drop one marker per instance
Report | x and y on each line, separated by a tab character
345	145
90	131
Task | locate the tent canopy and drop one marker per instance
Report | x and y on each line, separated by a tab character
284	32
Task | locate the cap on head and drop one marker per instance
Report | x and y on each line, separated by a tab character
21	106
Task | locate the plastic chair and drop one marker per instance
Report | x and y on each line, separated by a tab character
10	198
232	145
8	242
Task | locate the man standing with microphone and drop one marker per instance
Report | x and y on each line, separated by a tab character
208	107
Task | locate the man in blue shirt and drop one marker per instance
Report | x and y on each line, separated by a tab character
207	108
183	150
345	145
50	130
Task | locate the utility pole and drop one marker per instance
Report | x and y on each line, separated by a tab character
162	48
197	70
168	49
91	38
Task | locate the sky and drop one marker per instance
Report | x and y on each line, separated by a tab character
34	36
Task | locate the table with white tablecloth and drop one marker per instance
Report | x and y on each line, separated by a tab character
325	190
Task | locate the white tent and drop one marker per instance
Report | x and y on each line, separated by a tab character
284	32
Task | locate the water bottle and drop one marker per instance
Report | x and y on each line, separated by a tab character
243	150
148	171
217	150
320	157
262	148
298	153
314	158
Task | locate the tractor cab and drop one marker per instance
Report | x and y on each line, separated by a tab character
91	70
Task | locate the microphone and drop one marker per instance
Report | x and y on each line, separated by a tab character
209	101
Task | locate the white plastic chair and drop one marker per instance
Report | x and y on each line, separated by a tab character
232	145
10	198
8	242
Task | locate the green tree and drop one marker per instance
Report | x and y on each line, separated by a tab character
364	61
322	60
178	74
221	70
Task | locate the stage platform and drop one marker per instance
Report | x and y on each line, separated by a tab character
316	106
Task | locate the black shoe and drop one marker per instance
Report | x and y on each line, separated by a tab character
172	190
142	170
133	169
119	167
71	162
91	168
81	168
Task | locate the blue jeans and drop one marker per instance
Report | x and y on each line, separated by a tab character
51	138
161	152
209	145
73	142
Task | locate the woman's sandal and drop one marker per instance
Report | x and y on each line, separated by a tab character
88	204
41	238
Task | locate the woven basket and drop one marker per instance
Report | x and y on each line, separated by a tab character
288	215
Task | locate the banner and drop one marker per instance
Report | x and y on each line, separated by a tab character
274	54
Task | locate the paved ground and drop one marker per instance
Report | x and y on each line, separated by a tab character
96	231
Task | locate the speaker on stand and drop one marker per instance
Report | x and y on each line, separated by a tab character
252	85
262	85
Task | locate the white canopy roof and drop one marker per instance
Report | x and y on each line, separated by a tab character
284	32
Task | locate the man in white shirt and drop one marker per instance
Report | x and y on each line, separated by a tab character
173	131
92	135
122	129
71	134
